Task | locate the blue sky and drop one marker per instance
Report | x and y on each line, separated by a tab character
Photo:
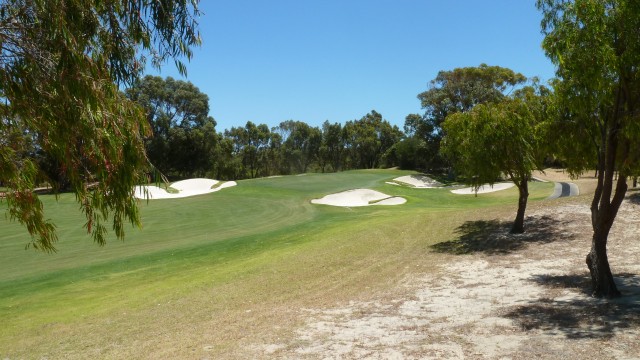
336	60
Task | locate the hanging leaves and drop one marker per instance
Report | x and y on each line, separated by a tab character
61	64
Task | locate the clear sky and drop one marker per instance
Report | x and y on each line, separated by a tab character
336	60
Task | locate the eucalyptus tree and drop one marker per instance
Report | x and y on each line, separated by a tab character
61	65
300	144
501	138
253	147
414	151
368	139
184	134
595	45
453	91
332	147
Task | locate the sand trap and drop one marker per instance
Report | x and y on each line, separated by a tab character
359	197
419	181
186	188
483	189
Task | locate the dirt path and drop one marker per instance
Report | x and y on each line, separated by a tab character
496	296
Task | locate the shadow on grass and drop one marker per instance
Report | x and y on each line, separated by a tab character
493	237
582	317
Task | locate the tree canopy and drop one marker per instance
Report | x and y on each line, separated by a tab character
183	137
595	45
61	62
504	138
454	91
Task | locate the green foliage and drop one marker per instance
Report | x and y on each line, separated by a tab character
461	89
300	145
256	149
458	90
418	150
60	66
332	147
504	138
184	137
368	140
596	49
496	139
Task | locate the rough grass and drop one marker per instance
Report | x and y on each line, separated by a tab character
210	274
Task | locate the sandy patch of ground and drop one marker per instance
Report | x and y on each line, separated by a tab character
483	189
418	181
496	296
554	175
185	188
359	197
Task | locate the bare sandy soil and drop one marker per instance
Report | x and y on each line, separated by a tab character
495	296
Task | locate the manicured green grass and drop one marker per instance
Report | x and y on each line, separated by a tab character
261	242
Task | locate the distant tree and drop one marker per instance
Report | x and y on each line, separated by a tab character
238	137
503	138
273	155
595	46
415	151
61	65
183	132
227	166
332	147
458	90
369	138
254	148
301	144
258	137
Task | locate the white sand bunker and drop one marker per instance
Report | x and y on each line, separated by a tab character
185	188
359	197
418	181
483	189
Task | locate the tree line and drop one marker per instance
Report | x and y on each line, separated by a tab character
184	142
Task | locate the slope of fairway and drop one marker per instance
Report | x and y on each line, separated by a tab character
228	260
257	206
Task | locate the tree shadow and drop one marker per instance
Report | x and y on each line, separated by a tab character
581	317
493	237
578	282
634	196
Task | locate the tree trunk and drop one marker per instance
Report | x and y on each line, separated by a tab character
598	263
518	224
604	209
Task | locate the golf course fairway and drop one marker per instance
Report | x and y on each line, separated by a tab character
207	275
